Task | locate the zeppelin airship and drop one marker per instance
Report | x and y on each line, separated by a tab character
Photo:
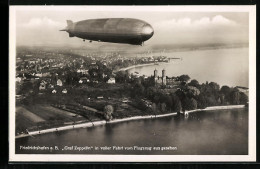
114	30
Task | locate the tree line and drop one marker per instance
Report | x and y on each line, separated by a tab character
189	95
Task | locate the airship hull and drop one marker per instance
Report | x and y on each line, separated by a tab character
115	30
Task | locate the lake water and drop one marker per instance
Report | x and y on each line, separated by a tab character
221	132
223	66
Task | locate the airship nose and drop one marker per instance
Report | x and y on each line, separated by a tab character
147	32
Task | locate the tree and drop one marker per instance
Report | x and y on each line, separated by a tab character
156	99
193	91
222	98
168	102
193	104
141	105
138	89
103	73
184	78
149	82
180	94
202	101
214	86
189	104
150	93
194	83
243	98
93	73
235	96
121	77
176	103
108	111
163	97
211	90
26	87
163	107
211	100
154	108
225	90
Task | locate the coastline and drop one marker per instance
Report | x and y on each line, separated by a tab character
184	50
135	66
103	122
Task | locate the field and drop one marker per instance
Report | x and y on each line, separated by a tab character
48	113
38	116
21	111
48	110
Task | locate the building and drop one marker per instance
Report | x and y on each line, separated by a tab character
111	81
160	80
83	71
38	74
83	80
51	86
125	100
18	79
42	85
168	82
59	82
64	91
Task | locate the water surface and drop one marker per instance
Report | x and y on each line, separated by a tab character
224	66
221	132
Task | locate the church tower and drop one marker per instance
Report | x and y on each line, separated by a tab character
155	73
163	77
155	76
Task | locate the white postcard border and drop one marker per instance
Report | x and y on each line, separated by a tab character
251	9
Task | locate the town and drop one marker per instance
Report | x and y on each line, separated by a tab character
64	87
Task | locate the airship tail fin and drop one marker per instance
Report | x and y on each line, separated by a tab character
69	26
69	23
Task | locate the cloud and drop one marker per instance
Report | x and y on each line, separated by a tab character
186	22
217	29
41	23
41	30
220	20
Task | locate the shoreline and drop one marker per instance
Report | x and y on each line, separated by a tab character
103	122
181	50
135	66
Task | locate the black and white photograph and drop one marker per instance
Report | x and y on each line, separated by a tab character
132	83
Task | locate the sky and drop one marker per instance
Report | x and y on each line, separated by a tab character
40	26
